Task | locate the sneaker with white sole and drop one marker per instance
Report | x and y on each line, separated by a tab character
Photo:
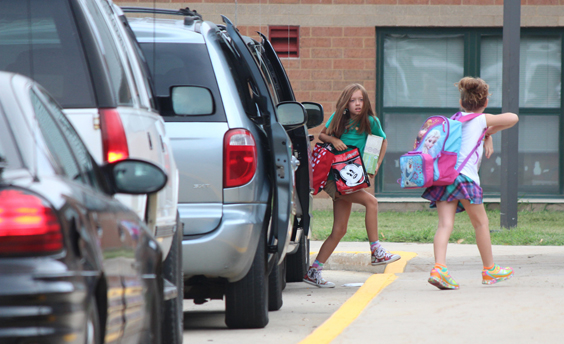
380	256
313	277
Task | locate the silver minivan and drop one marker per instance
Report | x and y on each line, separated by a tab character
236	161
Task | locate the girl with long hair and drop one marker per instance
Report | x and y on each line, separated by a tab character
350	125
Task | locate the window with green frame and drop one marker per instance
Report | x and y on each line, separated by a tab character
417	70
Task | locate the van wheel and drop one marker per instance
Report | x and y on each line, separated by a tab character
93	329
246	301
173	321
276	285
298	263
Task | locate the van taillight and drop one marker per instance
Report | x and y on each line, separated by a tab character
114	142
28	226
239	159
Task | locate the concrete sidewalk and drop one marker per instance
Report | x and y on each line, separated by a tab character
527	308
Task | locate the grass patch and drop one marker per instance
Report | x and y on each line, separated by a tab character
533	228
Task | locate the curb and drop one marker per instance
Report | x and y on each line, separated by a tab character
360	261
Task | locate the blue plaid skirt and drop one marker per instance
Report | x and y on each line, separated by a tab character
462	188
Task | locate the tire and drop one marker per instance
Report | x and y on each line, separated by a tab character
93	329
275	286
173	320
246	301
298	263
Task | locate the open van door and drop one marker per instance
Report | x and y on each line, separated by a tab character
300	139
280	147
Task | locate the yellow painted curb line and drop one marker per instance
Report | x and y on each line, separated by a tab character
399	266
352	308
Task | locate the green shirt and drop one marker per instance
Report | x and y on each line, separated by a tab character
353	138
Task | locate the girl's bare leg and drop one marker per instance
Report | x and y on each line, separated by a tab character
371	204
446	211
479	219
341	213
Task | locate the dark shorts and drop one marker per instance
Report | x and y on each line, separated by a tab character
462	188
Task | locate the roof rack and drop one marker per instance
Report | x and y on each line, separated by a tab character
181	12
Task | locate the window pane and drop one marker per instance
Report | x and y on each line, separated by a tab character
539	70
421	70
112	57
55	140
39	39
538	157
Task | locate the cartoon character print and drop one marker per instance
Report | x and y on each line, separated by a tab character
412	173
430	141
424	128
408	172
352	174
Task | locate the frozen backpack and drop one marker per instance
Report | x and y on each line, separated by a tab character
435	153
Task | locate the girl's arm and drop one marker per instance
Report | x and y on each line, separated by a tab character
488	146
497	123
337	143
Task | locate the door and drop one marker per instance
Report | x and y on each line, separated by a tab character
299	136
280	150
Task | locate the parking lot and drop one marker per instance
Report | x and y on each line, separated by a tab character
527	308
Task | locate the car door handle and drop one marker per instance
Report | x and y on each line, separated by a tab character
150	141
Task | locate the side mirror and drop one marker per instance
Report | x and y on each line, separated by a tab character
314	114
191	101
291	114
135	177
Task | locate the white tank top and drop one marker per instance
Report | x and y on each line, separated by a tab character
471	132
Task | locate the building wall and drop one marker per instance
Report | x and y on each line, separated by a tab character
337	37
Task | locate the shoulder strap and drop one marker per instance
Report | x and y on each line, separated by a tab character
473	150
458	117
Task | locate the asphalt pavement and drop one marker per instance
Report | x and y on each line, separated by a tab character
395	304
529	308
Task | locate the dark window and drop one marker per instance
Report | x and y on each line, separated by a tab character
8	153
174	64
39	39
111	55
418	70
285	40
83	157
55	140
240	74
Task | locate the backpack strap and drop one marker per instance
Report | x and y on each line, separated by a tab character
473	150
458	117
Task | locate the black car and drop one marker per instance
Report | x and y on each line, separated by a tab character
76	265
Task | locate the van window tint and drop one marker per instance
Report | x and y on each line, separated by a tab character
241	75
39	39
111	55
55	140
182	65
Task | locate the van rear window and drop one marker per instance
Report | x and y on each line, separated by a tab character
39	39
174	64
